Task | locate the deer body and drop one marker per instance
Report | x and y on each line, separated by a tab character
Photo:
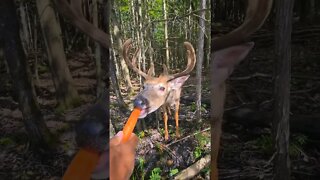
163	91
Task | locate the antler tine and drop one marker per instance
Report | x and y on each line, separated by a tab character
257	12
151	70
132	64
73	12
191	61
165	70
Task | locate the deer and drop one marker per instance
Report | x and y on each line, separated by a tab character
163	91
227	52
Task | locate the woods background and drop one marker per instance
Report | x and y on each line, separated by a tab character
51	72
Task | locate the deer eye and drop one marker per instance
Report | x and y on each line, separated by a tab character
162	88
143	87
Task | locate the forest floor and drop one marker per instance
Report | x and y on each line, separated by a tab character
245	151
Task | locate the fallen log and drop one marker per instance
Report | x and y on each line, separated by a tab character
308	124
194	169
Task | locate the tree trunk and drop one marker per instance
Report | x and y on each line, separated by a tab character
117	42
66	93
202	30
141	34
115	84
166	33
281	127
97	52
25	32
135	30
39	134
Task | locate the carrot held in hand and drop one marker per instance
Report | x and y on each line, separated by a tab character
82	165
130	124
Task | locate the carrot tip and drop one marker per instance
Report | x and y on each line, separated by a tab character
130	124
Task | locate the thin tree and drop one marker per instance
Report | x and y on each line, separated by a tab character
117	46
281	129
39	135
166	32
24	26
202	30
62	79
97	52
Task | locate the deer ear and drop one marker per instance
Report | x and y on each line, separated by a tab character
225	60
178	82
229	57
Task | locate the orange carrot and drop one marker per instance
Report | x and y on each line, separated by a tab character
82	165
130	124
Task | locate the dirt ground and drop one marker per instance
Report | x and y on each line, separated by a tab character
245	152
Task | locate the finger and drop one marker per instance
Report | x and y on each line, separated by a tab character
119	134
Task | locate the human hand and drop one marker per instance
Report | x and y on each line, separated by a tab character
121	156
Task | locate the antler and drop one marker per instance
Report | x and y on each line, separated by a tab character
132	64
73	12
191	62
257	12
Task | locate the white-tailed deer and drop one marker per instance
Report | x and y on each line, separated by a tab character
227	51
163	91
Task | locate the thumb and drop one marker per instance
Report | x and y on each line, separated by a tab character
115	140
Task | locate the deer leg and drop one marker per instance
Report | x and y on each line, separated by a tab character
176	117
216	126
165	119
217	109
169	110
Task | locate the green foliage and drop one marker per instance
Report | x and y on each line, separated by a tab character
205	170
265	143
42	68
300	139
202	140
173	172
141	163
70	103
141	168
155	174
197	152
141	134
139	171
297	142
6	141
193	106
161	131
159	147
155	9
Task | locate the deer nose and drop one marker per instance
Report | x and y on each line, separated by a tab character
140	102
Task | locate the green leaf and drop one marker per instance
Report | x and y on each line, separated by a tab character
173	172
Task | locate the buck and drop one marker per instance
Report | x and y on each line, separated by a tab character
163	91
227	51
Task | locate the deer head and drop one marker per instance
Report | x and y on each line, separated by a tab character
227	51
158	91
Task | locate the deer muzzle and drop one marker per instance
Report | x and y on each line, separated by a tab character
145	105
